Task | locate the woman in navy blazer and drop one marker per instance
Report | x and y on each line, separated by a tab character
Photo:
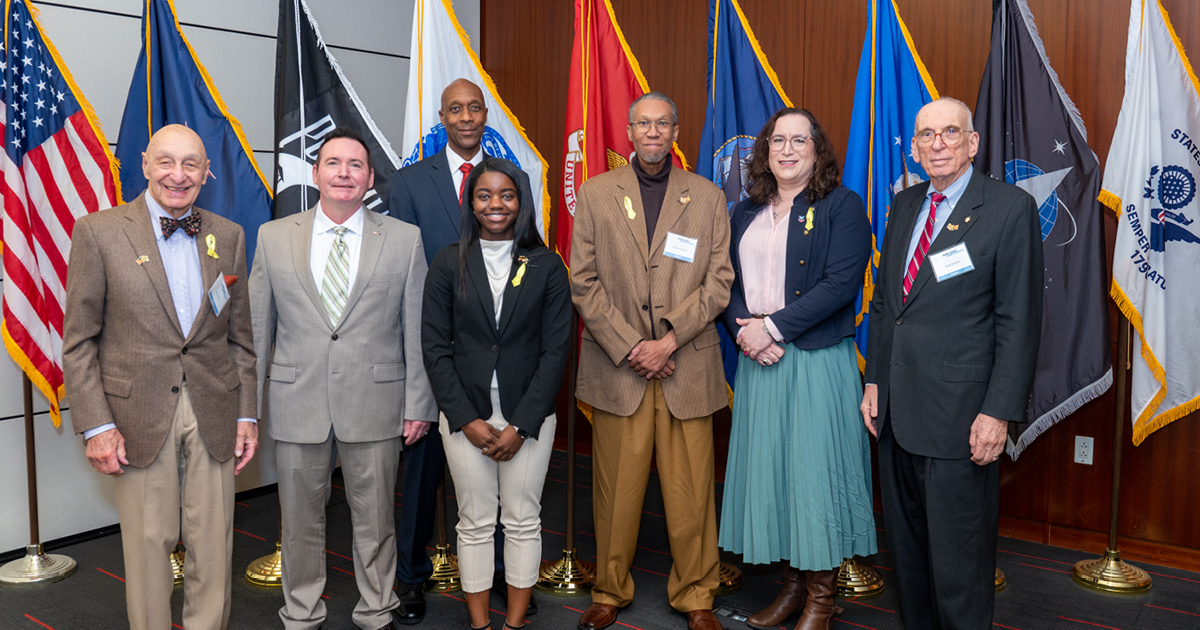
797	485
494	329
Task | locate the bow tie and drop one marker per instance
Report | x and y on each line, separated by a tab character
189	224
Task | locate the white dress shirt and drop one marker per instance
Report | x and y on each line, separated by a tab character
456	163
953	193
322	242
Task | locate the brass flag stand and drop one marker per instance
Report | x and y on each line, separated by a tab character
177	563
858	581
445	578
569	576
267	571
1109	573
36	567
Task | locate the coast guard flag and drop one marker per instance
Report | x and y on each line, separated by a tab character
171	87
312	98
55	168
1031	135
441	53
605	80
1150	181
743	92
891	87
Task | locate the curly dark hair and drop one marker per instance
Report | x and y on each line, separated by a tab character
826	173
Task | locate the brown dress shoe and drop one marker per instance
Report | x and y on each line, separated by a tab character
790	599
597	616
703	620
820	609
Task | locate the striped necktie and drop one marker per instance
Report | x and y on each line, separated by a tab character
914	265
462	186
335	287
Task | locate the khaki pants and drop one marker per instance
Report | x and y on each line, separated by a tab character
622	448
149	501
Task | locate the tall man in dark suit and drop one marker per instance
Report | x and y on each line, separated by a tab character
955	324
159	365
428	195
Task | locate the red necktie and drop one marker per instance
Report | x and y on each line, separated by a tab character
462	186
918	257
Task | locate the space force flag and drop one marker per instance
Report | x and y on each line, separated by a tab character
441	53
891	87
1032	136
312	98
55	167
170	86
1150	181
743	92
605	80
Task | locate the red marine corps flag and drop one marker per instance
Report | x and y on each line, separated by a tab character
605	80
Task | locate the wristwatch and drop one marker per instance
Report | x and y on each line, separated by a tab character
525	435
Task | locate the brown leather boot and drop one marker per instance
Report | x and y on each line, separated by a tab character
789	600
820	609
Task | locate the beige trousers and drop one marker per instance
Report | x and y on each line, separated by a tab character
622	448
513	488
149	501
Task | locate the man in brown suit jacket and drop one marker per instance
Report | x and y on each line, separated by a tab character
650	272
159	367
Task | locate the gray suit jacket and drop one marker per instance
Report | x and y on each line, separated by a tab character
124	356
363	377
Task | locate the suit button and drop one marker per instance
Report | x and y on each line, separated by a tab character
175	390
184	350
334	337
801	263
797	293
899	321
645	307
495	348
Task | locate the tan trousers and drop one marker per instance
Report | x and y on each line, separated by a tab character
149	500
622	448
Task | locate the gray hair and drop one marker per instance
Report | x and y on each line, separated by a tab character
656	96
950	99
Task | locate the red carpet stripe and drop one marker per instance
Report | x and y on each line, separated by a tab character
856	625
334	553
1173	610
343	570
1025	555
30	617
249	534
1005	627
1088	623
110	574
858	603
1045	569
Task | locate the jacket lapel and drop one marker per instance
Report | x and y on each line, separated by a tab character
141	235
301	255
629	197
513	294
477	270
209	269
905	220
443	183
371	246
972	198
672	208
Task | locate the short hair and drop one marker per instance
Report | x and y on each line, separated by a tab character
826	174
970	123
656	96
348	133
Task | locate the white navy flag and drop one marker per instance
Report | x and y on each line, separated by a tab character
1150	181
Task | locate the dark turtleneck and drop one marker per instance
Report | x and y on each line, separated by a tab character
654	190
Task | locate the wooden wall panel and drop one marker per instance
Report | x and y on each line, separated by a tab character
814	46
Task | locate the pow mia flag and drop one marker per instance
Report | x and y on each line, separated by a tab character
306	74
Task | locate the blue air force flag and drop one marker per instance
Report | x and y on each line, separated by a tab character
891	87
1150	181
441	54
743	92
1031	135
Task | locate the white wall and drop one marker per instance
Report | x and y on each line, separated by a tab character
235	40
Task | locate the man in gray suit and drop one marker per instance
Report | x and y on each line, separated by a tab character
337	293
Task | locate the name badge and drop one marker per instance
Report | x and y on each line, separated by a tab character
951	262
218	295
680	247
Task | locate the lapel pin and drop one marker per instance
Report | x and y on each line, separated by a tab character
808	224
142	259
968	219
375	232
951	227
629	208
684	200
211	241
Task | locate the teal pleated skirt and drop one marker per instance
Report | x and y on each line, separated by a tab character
798	481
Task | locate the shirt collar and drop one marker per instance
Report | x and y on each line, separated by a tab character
456	160
954	191
157	211
322	223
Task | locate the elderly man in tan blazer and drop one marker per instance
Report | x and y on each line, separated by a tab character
650	272
159	368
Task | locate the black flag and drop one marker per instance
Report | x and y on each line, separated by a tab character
1031	135
305	73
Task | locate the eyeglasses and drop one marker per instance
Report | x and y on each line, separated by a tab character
950	135
798	142
643	126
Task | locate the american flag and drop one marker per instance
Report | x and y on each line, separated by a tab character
56	166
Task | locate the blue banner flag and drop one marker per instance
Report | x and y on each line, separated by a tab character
891	87
743	92
170	86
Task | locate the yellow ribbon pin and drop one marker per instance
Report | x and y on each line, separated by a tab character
951	227
142	259
808	219
516	281
211	241
629	209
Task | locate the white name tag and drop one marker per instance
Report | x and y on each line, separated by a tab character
218	295
951	262
680	247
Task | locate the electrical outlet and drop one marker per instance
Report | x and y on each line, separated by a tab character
1083	449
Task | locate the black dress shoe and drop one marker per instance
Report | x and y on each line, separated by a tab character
412	604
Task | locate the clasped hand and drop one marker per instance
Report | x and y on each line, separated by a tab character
652	358
497	445
757	343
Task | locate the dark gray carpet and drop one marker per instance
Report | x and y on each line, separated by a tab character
1040	594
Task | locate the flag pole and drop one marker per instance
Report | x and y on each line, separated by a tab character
445	578
569	576
1109	573
36	567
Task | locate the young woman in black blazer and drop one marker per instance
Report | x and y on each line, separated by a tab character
495	327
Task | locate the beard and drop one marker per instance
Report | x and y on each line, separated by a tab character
649	157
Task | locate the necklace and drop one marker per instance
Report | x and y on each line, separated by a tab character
499	276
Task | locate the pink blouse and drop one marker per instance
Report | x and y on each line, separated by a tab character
762	253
